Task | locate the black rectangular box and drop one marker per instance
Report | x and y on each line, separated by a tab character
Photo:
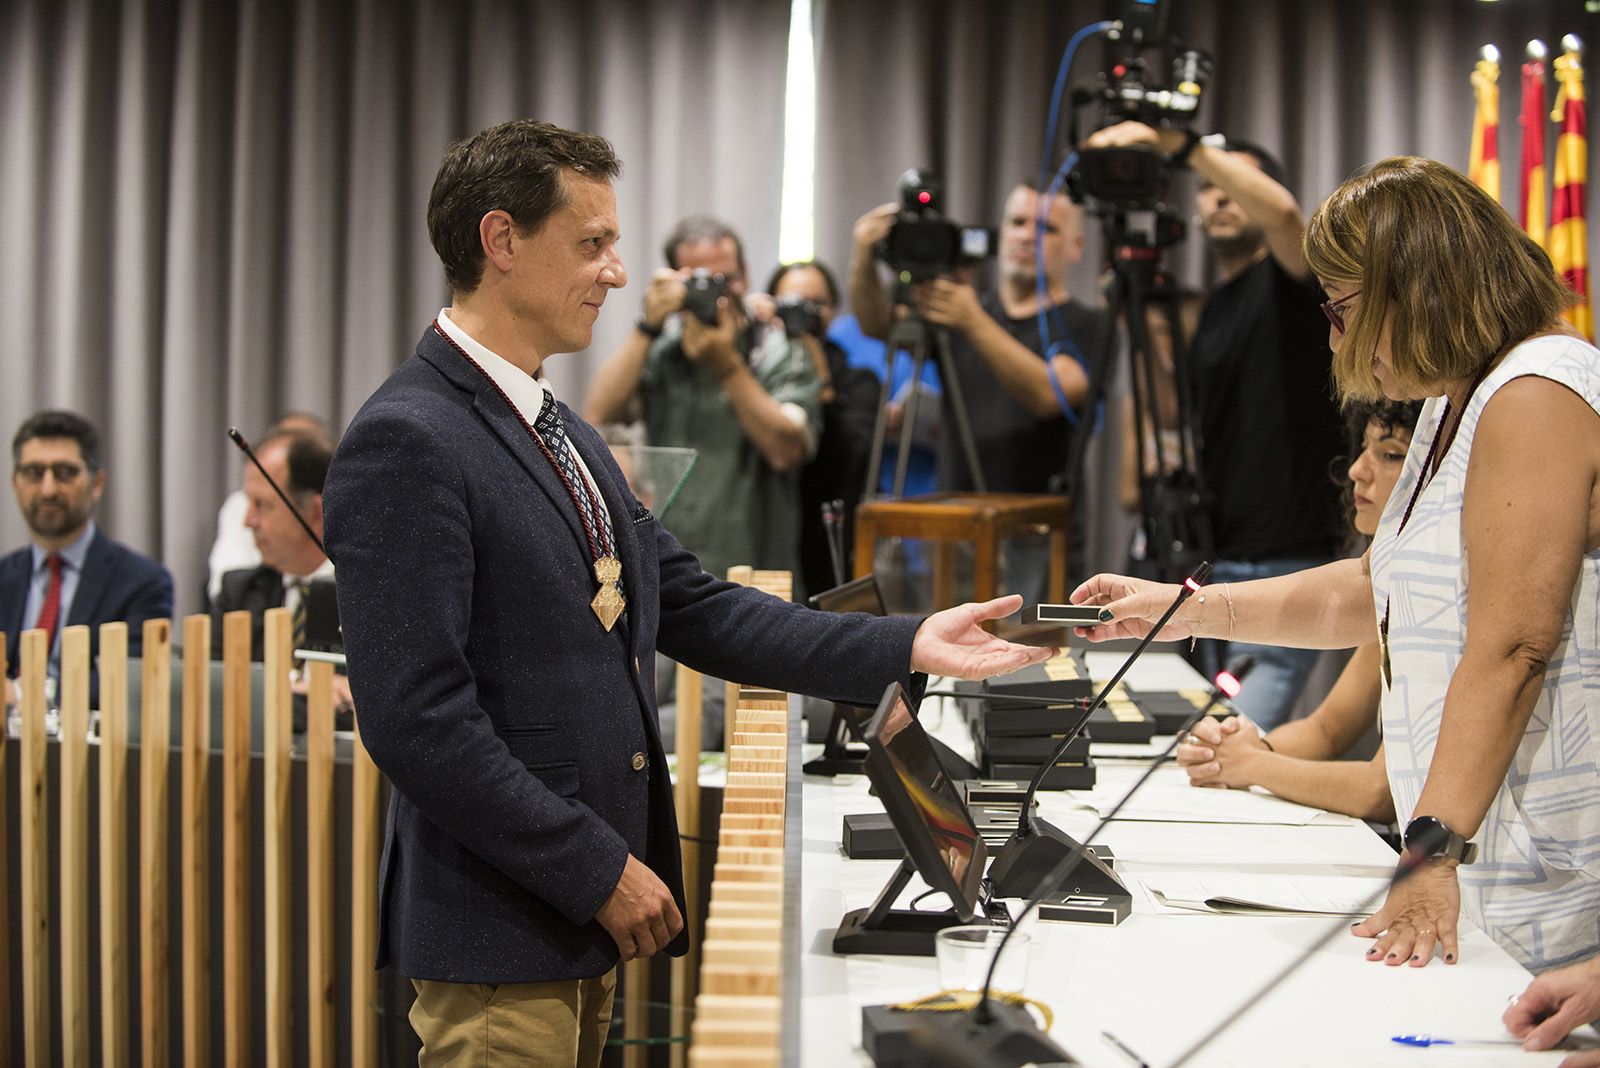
1074	776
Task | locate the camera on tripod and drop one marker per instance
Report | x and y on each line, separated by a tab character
923	244
1132	178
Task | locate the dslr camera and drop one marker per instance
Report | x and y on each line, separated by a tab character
800	317
1131	178
923	244
703	289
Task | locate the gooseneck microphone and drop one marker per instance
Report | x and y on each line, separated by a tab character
984	1025
1036	846
244	447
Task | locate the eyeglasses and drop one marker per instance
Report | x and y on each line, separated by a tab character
64	472
1334	309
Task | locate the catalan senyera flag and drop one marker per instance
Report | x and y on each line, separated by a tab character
1533	215
1483	166
1569	229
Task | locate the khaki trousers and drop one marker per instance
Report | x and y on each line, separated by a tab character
552	1025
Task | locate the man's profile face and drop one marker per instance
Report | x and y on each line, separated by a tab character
718	257
279	537
1063	235
568	265
55	490
1224	219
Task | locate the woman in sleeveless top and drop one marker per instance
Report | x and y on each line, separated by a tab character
1482	585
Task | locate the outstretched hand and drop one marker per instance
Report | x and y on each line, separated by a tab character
953	643
1420	915
1132	606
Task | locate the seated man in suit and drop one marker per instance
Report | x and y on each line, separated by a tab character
290	559
71	573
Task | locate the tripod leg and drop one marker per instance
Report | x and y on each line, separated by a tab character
908	421
958	408
880	425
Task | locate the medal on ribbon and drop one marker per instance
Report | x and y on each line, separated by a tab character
608	602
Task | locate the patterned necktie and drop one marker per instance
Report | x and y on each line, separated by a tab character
596	520
297	619
50	611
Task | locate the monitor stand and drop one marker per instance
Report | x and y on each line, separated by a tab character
891	932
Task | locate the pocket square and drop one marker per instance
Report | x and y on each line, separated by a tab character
642	515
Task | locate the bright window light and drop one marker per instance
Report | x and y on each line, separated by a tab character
796	216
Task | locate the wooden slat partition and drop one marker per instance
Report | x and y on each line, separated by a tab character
687	793
277	725
195	875
74	874
236	839
366	822
34	652
319	865
116	1043
155	928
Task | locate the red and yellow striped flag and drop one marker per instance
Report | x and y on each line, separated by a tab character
1569	229
1533	215
1484	164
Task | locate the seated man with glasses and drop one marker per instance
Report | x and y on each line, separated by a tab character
72	573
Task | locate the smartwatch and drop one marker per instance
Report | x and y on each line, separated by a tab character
1427	836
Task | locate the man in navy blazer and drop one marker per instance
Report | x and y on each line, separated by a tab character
503	596
71	573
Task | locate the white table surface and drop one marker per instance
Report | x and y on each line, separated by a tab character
1158	982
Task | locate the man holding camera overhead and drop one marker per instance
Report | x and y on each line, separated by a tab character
749	404
1021	429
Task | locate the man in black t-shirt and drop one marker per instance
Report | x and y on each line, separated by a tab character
1019	382
1269	424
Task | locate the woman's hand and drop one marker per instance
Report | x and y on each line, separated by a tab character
1220	752
1554	1005
1132	606
1421	912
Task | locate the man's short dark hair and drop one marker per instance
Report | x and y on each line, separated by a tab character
695	229
307	461
816	265
59	423
515	167
1265	160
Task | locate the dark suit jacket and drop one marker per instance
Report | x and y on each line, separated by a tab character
507	719
117	584
253	590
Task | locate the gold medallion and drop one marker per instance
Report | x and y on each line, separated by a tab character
608	603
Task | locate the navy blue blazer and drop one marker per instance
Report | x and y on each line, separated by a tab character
509	722
117	584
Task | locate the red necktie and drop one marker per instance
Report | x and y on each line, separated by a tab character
50	611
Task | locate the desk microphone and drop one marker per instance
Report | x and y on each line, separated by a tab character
1006	1036
1036	845
244	447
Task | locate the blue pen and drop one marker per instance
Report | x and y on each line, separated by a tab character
1423	1041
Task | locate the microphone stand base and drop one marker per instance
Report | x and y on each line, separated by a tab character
1022	864
895	1039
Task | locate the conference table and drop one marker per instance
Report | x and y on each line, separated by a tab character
1159	981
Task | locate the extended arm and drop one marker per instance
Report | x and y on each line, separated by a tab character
1020	371
616	380
867	299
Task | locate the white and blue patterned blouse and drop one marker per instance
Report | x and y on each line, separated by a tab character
1535	887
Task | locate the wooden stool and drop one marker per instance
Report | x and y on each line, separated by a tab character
985	519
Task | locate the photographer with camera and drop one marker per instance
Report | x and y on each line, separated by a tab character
705	379
1020	429
1269	426
805	301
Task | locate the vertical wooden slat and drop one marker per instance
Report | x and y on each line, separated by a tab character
686	744
196	847
319	864
635	1012
5	878
34	788
74	876
155	733
115	1044
363	907
275	866
236	838
742	574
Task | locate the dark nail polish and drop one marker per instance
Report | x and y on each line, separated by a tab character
1416	956
1449	958
1392	956
1106	615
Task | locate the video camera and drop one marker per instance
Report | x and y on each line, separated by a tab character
1131	178
923	244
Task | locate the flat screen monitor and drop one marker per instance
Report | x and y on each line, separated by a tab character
923	803
857	595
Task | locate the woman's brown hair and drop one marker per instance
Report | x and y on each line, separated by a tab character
1438	259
